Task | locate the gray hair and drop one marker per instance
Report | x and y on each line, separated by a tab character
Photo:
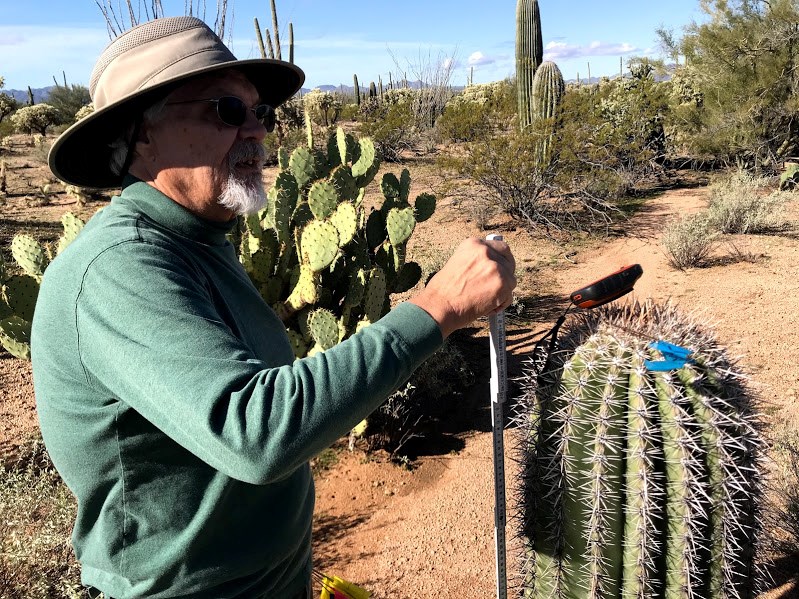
123	144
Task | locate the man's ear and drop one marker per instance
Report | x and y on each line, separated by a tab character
143	145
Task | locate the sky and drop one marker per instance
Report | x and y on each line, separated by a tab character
40	39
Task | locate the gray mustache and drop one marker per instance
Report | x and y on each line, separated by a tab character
245	151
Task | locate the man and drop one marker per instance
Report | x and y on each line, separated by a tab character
167	391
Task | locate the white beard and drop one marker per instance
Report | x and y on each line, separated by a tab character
243	195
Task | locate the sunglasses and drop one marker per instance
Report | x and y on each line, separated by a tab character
233	111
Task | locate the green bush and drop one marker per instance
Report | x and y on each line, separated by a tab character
349	112
740	203
324	107
291	139
37	513
432	391
689	240
478	112
6	128
68	100
738	57
35	119
389	125
7	105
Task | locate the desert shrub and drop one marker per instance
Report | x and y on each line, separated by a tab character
324	107
7	105
84	111
739	204
689	240
556	196
35	119
506	166
739	55
349	112
290	139
68	100
431	392
785	489
478	112
37	512
389	125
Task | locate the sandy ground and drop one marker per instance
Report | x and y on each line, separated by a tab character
428	531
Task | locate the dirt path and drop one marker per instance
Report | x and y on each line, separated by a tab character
429	533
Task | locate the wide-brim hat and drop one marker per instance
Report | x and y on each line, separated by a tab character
137	69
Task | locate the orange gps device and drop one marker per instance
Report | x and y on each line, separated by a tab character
607	289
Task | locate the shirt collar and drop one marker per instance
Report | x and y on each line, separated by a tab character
171	215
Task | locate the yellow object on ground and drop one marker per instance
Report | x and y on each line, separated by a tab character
334	587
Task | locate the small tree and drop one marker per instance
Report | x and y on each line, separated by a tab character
7	105
36	118
743	59
68	100
323	106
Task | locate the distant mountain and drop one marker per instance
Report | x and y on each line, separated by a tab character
39	95
349	89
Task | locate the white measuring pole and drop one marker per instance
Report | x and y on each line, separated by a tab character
499	379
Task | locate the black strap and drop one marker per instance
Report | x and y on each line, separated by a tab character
539	349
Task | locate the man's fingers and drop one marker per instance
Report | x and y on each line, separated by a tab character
501	251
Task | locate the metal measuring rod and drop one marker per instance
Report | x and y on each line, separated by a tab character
596	294
499	380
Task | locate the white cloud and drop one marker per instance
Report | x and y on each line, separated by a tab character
37	53
564	51
480	59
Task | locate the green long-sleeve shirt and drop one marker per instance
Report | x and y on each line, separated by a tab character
172	406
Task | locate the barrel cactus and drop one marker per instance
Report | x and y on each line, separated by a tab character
640	468
529	54
324	264
20	290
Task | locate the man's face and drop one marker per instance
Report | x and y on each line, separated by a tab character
194	158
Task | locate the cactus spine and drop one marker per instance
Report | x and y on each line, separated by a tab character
638	483
315	248
529	54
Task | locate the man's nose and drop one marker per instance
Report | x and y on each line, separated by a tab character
252	128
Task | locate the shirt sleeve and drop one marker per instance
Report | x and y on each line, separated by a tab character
150	336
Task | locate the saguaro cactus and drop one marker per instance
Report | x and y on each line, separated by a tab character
529	54
548	90
356	89
640	478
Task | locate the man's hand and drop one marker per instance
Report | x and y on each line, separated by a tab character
476	281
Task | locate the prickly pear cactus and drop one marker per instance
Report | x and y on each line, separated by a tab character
18	292
318	258
636	480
